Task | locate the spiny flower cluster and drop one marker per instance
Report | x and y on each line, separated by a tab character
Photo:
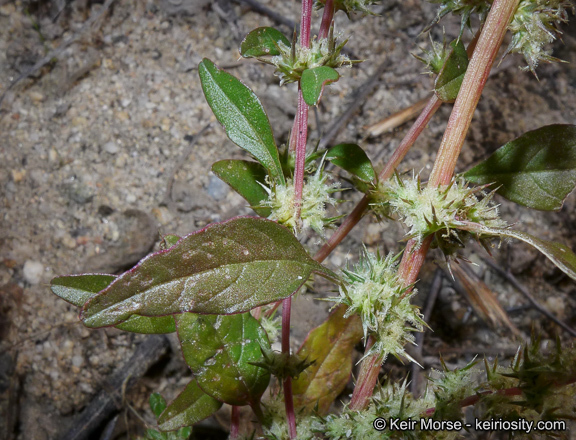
277	428
351	6
374	291
392	401
464	8
534	25
435	58
436	210
294	60
450	387
316	195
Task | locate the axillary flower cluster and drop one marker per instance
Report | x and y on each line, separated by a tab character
440	211
294	60
316	195
374	291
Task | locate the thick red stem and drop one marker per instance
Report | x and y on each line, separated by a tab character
477	73
327	17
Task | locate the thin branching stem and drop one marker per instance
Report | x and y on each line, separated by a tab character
288	398
485	51
356	215
234	422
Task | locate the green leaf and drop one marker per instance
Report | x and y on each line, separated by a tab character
170	240
152	434
331	345
241	114
184	433
450	78
191	406
246	178
157	404
313	82
219	350
560	254
353	159
262	41
79	289
225	268
537	170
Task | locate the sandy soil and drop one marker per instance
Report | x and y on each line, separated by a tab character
91	142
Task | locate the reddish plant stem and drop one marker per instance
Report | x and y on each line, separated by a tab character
306	22
356	215
301	137
475	78
234	422
301	126
412	260
327	18
301	121
473	400
367	379
288	398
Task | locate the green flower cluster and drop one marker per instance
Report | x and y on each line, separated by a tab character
435	58
375	292
351	6
464	8
294	60
534	25
392	401
316	195
277	428
436	210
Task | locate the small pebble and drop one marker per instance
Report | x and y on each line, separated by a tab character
33	271
111	147
18	175
77	361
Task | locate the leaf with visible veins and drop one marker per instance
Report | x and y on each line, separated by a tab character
225	268
220	351
537	169
331	346
191	406
79	289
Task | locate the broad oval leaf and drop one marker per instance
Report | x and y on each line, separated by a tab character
246	178
331	345
241	114
560	254
450	78
225	268
537	170
79	289
191	406
263	41
313	82
352	158
219	349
